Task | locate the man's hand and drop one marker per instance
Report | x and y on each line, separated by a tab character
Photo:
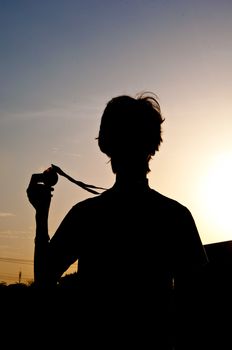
39	194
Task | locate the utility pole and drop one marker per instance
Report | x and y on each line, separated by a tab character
20	276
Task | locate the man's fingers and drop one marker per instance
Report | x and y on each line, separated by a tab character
35	179
39	191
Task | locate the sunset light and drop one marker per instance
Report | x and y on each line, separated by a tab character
216	194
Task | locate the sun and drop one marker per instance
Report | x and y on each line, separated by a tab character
216	194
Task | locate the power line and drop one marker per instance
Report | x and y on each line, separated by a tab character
17	261
14	277
27	262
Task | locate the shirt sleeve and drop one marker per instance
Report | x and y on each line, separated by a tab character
190	252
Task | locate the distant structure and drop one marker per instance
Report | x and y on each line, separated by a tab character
20	276
219	271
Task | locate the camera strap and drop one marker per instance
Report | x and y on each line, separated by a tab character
87	187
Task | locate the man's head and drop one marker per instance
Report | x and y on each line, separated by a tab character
130	130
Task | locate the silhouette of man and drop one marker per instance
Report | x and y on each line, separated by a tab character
131	242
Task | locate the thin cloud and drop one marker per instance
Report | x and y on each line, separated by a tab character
70	154
12	234
6	215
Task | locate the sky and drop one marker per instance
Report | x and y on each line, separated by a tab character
61	61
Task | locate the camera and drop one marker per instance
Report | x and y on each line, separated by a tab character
49	177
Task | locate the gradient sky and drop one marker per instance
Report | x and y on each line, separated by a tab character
60	63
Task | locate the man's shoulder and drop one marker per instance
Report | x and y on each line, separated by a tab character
154	199
90	202
167	201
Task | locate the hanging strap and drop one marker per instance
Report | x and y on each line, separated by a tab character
83	185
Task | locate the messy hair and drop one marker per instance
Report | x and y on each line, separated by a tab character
131	127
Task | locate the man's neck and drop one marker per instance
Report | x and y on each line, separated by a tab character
130	181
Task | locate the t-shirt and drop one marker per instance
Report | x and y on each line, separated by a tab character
129	238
